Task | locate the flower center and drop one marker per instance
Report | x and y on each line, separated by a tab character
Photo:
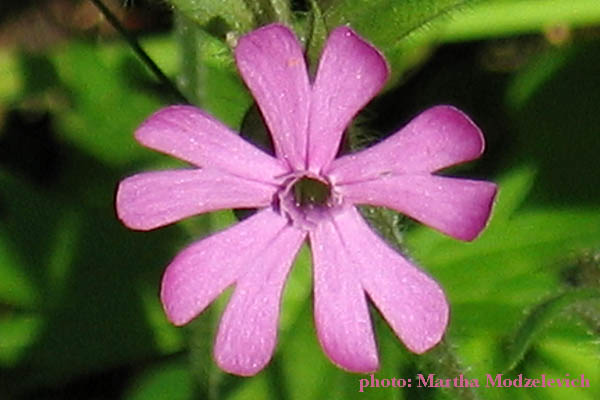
304	198
309	192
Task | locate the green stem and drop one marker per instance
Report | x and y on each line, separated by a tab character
443	362
145	58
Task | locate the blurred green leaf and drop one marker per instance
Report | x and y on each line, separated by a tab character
16	287
96	88
298	289
541	316
237	15
163	381
493	19
299	348
17	333
11	80
557	123
546	211
87	284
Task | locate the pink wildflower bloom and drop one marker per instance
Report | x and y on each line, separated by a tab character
305	192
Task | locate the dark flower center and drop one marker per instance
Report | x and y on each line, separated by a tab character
309	192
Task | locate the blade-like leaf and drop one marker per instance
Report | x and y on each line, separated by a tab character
541	316
386	22
401	29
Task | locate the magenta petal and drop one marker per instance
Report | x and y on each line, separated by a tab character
456	207
412	303
439	137
350	73
341	313
190	134
204	269
152	199
272	64
248	329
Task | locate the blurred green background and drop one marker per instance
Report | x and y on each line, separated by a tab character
80	316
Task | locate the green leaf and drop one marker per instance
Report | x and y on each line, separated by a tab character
16	287
556	125
386	22
510	267
298	289
401	29
573	361
540	317
17	333
317	34
236	14
268	11
11	80
209	76
163	381
97	84
493	19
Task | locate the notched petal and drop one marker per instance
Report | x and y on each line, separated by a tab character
204	269
248	329
342	317
350	73
457	207
190	134
272	64
438	138
411	302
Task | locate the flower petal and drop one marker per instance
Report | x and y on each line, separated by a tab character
248	329
412	303
204	269
272	65
341	313
439	137
457	207
152	199
350	73
188	133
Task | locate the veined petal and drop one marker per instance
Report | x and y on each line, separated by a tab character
350	73
439	137
188	133
411	302
342	317
248	329
204	269
152	199
272	64
457	207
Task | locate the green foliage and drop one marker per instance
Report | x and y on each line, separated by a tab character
165	381
492	19
402	30
78	291
387	22
543	315
237	15
209	76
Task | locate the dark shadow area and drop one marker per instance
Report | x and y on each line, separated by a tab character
559	130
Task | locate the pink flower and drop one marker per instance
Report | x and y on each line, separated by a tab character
305	192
